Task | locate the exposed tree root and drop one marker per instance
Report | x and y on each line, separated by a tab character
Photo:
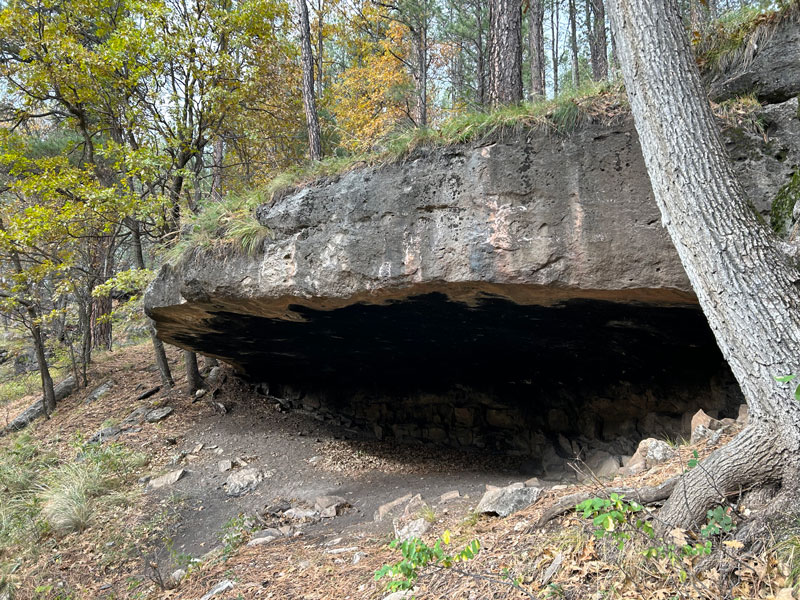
756	456
644	495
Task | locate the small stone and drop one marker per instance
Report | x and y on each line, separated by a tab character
136	417
167	479
99	392
414	529
329	506
389	507
285	530
701	418
260	541
214	376
106	434
224	465
448	496
301	514
222	586
176	578
158	414
504	501
243	482
358	556
200	393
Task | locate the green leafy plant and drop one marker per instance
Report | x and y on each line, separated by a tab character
418	556
234	533
609	515
619	519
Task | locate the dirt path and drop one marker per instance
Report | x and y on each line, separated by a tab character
308	459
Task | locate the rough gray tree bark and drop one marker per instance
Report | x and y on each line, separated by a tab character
421	79
573	45
555	9
536	47
746	284
598	44
309	102
158	346
193	378
216	170
505	56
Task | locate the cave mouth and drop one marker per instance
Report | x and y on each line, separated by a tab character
490	373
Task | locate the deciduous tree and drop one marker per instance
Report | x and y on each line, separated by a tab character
746	282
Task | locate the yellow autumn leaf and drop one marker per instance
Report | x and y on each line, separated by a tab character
735	544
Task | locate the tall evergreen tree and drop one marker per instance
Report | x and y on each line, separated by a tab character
505	55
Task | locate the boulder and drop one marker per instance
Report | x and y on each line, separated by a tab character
505	501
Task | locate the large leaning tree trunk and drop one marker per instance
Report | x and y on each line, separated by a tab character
746	284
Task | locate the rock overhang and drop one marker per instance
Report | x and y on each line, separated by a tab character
526	263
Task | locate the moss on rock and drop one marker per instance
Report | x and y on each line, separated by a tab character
783	205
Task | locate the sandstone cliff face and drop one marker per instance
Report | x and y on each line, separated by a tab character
515	287
537	218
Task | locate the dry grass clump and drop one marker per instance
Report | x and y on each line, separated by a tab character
68	496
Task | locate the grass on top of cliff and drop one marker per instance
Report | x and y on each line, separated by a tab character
229	224
734	38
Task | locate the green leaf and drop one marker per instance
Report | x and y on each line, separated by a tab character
785	378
